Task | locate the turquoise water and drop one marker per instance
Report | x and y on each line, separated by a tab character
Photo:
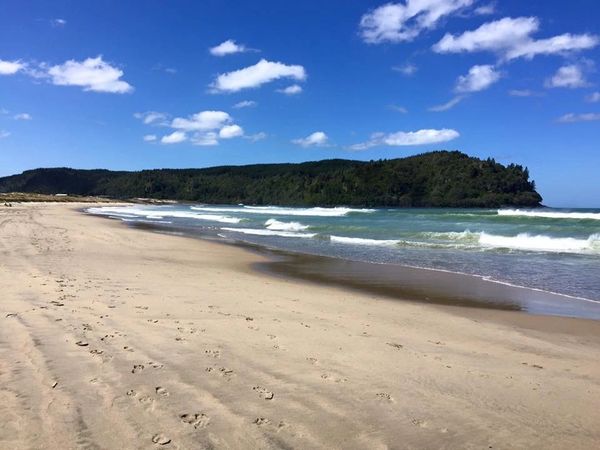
555	250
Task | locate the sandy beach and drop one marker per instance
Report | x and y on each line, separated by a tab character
113	337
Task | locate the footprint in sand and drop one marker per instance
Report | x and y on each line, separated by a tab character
397	346
198	420
384	396
161	391
213	353
261	421
263	392
81	343
419	423
160	439
131	393
137	368
312	360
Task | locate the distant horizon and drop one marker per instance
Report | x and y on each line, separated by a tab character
188	84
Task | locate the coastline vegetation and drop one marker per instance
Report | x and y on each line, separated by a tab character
435	179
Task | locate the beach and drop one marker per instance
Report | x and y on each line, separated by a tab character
115	337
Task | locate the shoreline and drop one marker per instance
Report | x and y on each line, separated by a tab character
400	282
115	337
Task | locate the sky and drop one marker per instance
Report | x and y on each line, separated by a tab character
133	85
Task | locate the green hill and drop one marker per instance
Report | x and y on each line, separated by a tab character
439	178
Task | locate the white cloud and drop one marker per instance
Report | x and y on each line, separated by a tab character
207	139
254	76
317	139
594	97
398	22
231	131
478	79
58	22
245	104
22	116
204	120
407	69
448	105
10	67
511	39
570	76
521	93
257	137
174	138
485	10
410	138
227	48
291	90
586	117
152	118
150	138
93	74
204	128
400	109
4	134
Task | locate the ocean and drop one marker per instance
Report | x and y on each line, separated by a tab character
549	250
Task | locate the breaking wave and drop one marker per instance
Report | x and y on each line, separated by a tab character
273	224
277	210
550	214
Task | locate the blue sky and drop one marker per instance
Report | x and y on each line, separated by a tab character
118	85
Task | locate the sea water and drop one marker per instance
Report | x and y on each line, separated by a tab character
554	250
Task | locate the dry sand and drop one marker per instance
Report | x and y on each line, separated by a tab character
112	337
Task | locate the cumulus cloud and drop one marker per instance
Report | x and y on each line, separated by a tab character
407	69
511	38
231	131
448	105
254	76
594	97
586	117
570	76
478	79
4	134
10	67
22	116
58	22
174	138
228	47
204	128
316	139
245	104
291	90
408	138
206	139
92	74
204	120
152	117
404	21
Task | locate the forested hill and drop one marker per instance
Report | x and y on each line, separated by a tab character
431	179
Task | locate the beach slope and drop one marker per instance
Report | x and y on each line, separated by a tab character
112	337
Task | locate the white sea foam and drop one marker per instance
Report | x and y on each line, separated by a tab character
136	211
273	224
259	232
362	241
542	243
277	210
549	214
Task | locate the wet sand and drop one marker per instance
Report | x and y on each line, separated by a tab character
114	337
